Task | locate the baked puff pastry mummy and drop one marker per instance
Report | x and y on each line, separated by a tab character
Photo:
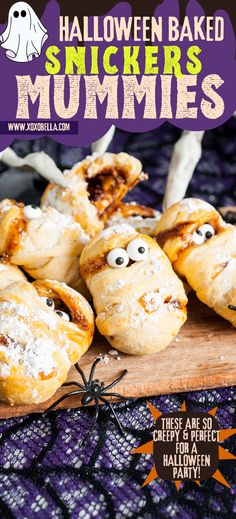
202	249
139	300
45	243
45	327
95	187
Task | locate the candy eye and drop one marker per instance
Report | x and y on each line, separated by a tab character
32	211
63	315
118	258
137	250
49	302
203	233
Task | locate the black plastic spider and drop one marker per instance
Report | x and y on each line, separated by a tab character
93	390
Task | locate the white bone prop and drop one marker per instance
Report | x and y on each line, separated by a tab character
180	157
39	161
187	152
100	146
24	35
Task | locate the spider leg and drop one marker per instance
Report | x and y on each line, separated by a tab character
116	381
94	364
113	412
72	383
121	396
86	437
80	371
63	397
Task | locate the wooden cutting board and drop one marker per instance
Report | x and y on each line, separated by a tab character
202	356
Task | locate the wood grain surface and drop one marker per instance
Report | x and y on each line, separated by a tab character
202	356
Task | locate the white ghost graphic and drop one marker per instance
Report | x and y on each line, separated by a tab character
25	35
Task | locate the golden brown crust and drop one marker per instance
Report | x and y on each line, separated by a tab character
136	210
93	266
12	226
37	345
46	244
96	187
175	228
94	258
73	302
208	267
141	307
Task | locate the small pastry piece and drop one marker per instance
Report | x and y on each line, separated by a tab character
96	186
139	300
202	249
9	273
45	327
143	219
45	243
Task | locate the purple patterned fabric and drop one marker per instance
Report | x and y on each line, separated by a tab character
43	472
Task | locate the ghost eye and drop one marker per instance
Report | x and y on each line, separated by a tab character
16	14
137	250
118	258
63	315
203	233
49	302
23	14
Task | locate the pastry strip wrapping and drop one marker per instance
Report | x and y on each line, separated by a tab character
95	188
202	249
37	344
141	307
44	242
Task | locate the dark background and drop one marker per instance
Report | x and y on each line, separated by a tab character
140	8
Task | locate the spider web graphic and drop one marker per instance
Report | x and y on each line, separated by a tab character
43	472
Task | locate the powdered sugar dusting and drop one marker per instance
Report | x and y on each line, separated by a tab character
39	315
52	220
36	355
5	206
12	307
144	225
21	344
71	200
47	317
118	230
39	358
4	370
194	204
64	220
153	300
119	283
